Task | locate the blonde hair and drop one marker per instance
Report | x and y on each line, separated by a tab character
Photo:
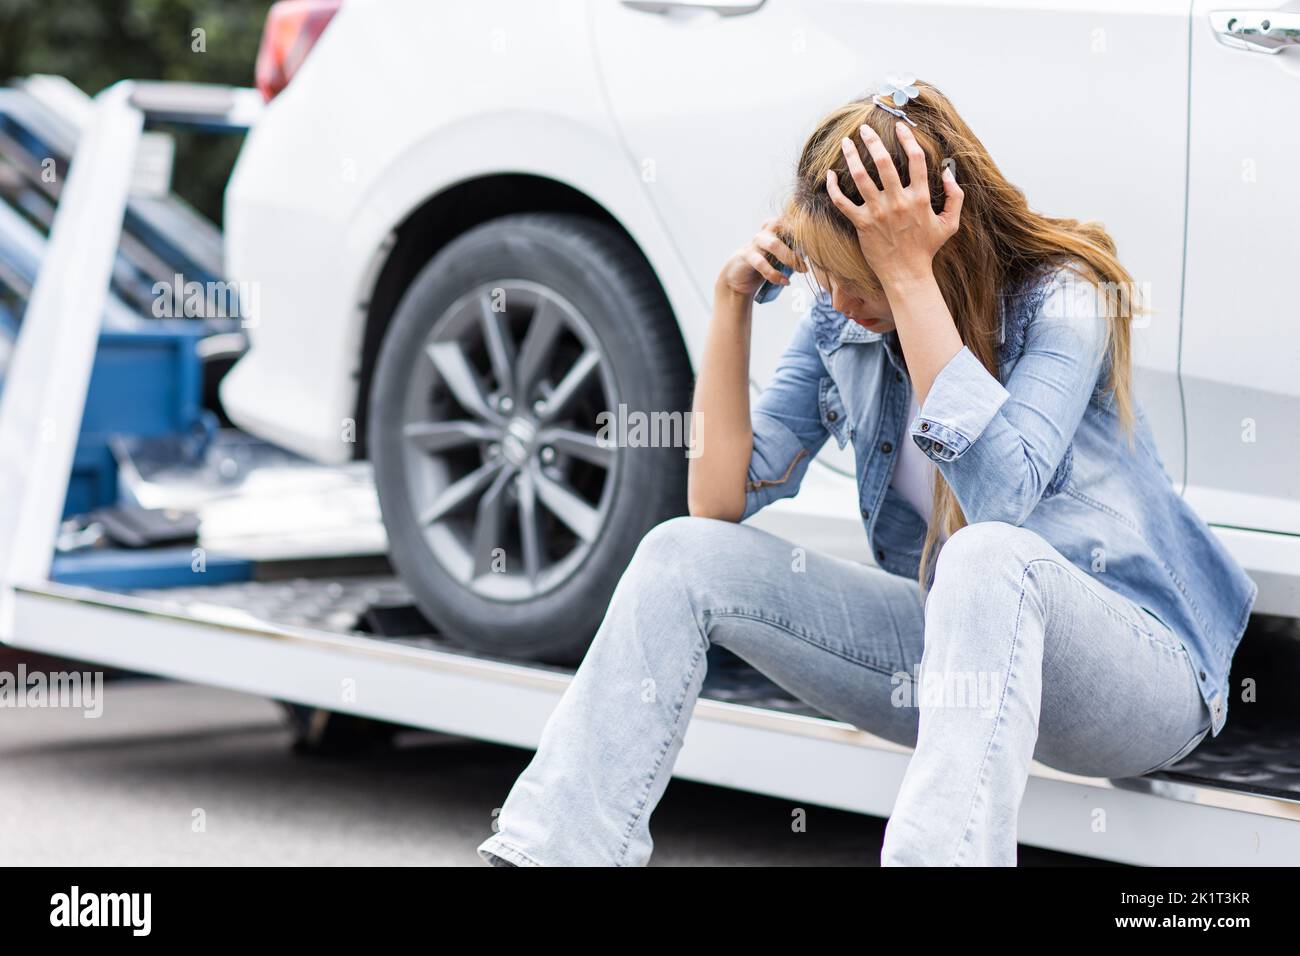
1000	244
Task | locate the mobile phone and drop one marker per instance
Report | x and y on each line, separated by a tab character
769	290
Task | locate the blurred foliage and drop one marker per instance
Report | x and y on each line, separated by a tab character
95	43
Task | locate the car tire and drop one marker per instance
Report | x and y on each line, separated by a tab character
509	518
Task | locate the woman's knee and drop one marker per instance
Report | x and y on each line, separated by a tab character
670	579
982	575
686	539
683	549
977	552
976	604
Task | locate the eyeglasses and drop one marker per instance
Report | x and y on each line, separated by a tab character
818	284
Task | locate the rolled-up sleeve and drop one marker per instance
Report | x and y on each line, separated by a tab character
787	424
960	405
998	446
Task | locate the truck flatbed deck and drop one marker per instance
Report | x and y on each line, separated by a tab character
301	638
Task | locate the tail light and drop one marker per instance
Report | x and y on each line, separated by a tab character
292	29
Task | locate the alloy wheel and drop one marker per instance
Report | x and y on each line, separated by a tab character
506	476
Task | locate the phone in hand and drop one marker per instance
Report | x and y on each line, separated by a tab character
769	290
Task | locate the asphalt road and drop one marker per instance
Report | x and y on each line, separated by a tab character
129	787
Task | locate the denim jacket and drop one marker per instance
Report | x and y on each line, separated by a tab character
1038	446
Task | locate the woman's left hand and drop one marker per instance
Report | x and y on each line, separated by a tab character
898	231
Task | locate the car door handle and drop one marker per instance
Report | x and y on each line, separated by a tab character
1256	31
723	8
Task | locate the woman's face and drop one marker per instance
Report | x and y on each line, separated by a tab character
869	309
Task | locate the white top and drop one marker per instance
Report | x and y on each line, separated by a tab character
914	473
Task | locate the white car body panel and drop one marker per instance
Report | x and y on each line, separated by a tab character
323	179
1241	336
664	121
712	135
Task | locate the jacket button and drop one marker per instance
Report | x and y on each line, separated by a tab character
832	415
1202	675
866	512
880	555
886	448
925	426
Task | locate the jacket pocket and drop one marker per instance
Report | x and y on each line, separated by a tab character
831	407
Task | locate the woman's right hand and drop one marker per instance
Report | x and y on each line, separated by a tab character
745	271
718	467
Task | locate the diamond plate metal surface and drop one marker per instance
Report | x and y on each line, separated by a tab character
1257	752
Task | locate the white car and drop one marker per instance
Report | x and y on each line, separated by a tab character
476	226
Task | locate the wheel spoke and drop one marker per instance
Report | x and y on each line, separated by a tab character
440	436
459	493
543	330
450	361
565	504
502	445
589	448
489	523
569	386
500	345
530	530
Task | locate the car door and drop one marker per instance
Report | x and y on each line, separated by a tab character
1082	105
1241	341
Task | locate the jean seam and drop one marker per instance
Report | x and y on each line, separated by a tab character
1015	646
509	847
1183	751
997	724
880	667
1146	635
1074	492
673	732
1150	639
898	634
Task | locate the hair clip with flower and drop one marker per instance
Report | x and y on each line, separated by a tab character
897	89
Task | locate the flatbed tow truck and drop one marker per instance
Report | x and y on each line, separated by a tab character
312	631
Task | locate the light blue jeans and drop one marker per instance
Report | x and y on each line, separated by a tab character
1021	655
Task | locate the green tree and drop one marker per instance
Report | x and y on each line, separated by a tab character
95	43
